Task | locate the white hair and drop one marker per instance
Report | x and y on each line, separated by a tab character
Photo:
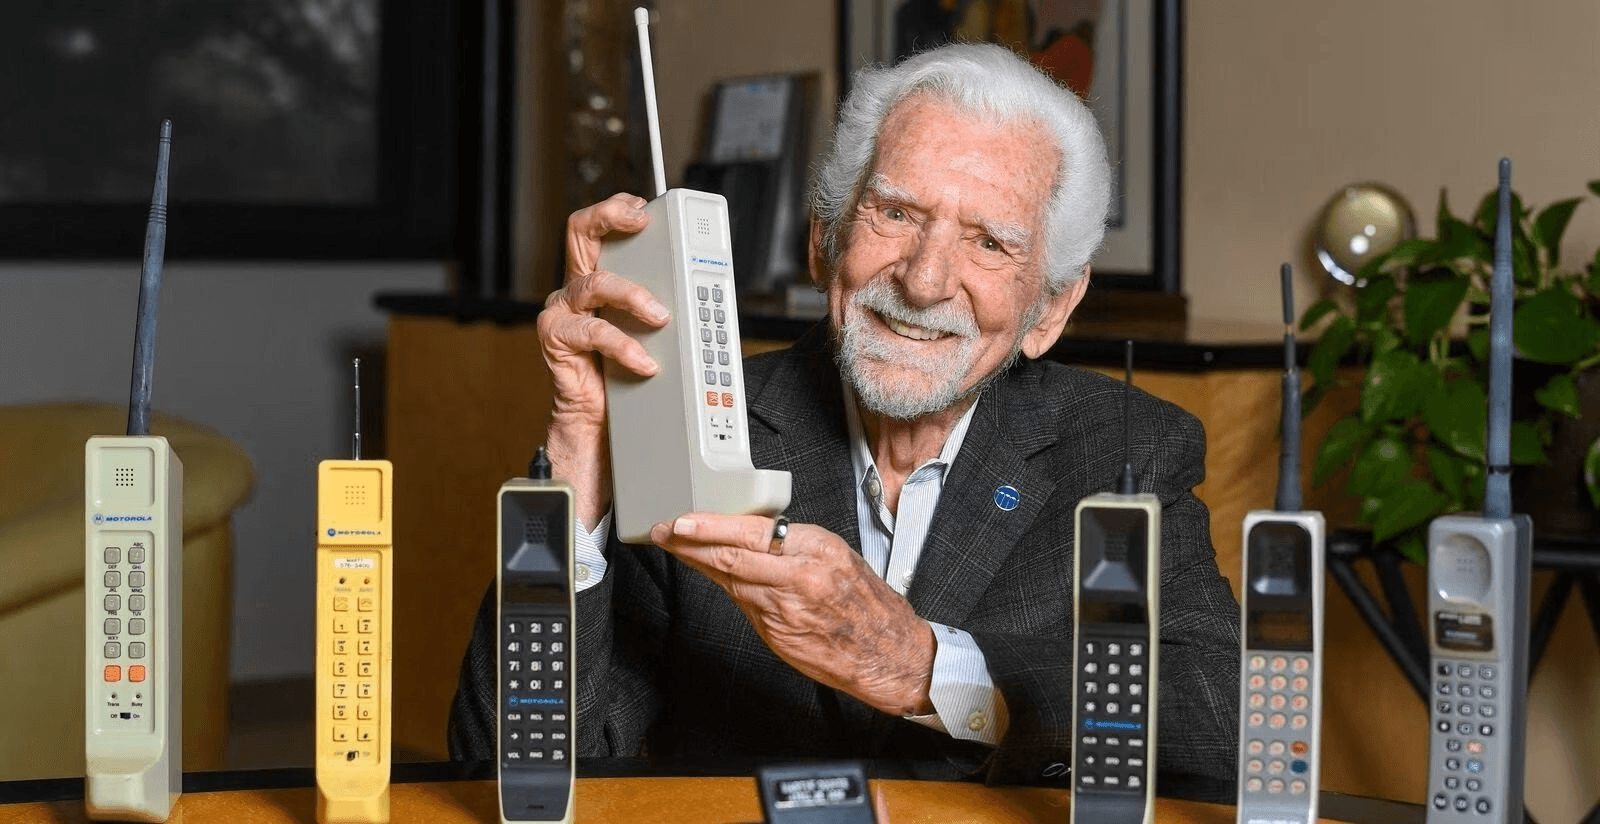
993	82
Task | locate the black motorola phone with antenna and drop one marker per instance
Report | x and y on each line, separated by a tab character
133	587
535	711
1280	670
1115	622
1478	572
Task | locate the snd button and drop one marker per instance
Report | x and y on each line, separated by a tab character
1461	569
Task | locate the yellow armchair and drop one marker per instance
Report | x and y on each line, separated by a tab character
41	582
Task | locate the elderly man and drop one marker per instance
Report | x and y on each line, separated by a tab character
909	614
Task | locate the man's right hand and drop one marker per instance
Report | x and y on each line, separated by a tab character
570	334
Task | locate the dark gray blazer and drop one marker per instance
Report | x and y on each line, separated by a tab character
670	668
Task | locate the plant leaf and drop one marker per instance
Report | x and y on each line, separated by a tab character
1552	327
1551	224
1382	465
1524	265
1445	467
1405	253
1489	208
1430	303
1342	440
1478	343
1385	340
1315	311
1458	418
1591	466
1331	348
1457	239
1372	303
1405	506
1391	387
1561	394
1412	547
1594	186
1527	447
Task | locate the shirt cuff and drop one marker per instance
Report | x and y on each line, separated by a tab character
965	702
588	552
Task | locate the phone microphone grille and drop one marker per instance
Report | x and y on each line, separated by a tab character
535	531
355	494
122	476
703	226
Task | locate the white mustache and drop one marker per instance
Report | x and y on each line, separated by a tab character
881	297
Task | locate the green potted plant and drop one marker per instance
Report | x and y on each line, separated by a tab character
1419	327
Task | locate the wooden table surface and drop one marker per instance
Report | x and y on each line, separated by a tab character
634	801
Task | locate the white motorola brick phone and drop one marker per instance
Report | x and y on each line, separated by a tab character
133	585
355	574
534	708
1115	622
1280	675
1479	567
679	440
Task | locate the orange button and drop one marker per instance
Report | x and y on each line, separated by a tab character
113	672
727	399
136	673
711	399
1298	748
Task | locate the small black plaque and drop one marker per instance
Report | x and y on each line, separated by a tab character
819	793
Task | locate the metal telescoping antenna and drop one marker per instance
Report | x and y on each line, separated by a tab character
1289	455
355	441
144	330
641	21
1126	485
1497	481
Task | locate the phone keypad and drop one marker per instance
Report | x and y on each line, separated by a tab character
353	645
1466	709
717	359
1113	711
1277	736
124	642
535	656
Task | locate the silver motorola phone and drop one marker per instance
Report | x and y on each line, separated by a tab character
1280	666
1479	567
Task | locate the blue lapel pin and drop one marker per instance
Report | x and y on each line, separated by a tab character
1007	497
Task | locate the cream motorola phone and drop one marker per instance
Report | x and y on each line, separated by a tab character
1280	675
1478	574
133	587
535	711
355	572
1115	622
679	439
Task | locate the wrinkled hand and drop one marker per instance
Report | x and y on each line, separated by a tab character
570	334
818	606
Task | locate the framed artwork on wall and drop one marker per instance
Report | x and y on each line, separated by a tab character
311	129
1124	57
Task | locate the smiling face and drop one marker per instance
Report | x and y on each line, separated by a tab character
940	281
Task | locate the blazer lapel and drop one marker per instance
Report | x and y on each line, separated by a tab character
972	533
797	422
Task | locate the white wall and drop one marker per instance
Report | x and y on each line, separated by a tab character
257	351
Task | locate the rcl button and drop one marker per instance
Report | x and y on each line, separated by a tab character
711	399
727	399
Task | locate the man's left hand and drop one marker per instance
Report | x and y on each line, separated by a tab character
818	606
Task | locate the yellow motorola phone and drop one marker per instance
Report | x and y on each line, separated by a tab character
355	574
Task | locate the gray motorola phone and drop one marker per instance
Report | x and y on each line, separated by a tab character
1478	573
